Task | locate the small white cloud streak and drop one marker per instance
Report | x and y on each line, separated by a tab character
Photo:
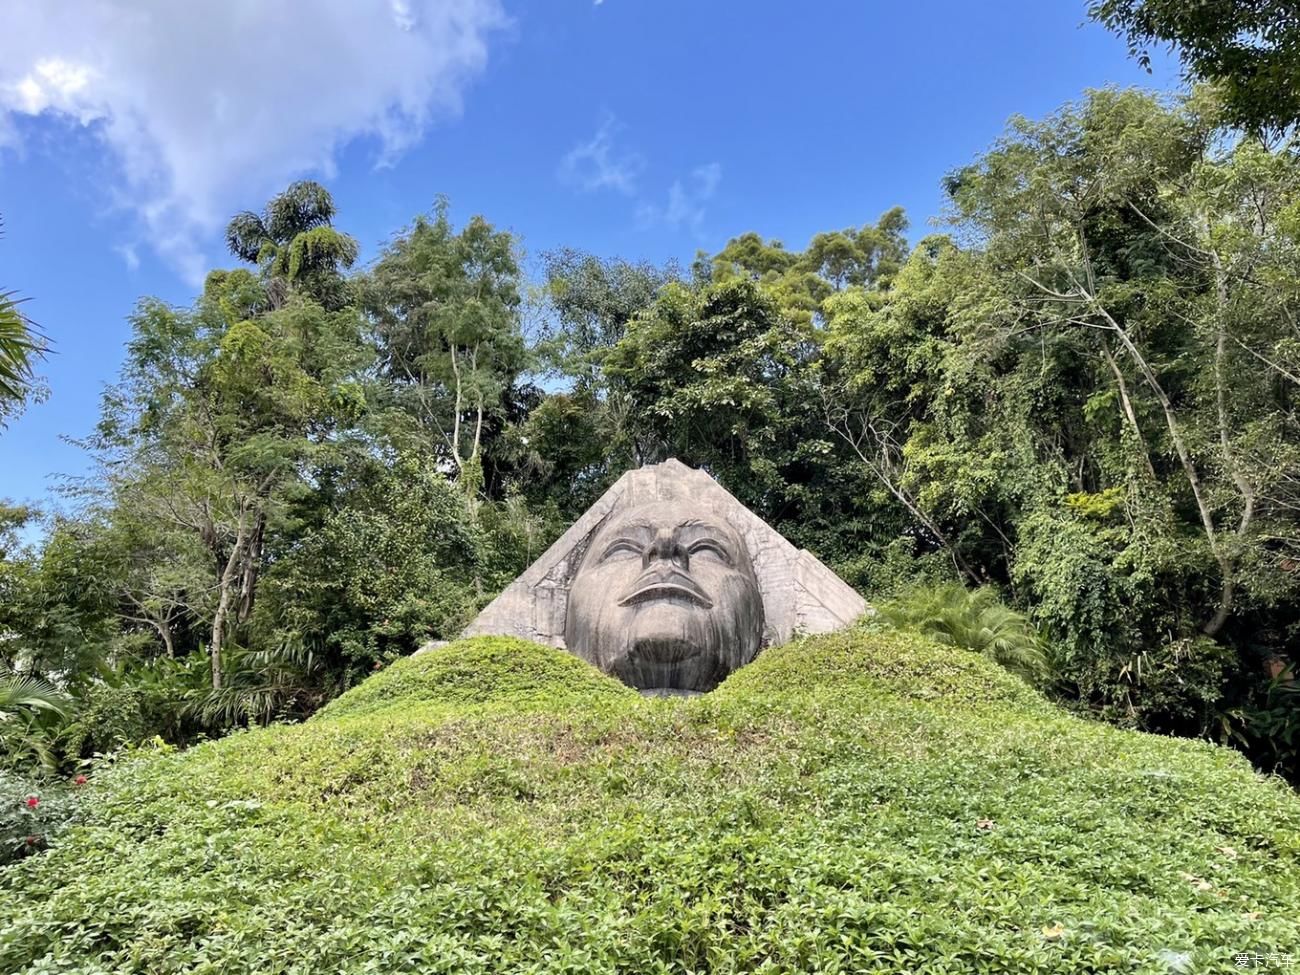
129	254
686	200
600	164
207	106
597	164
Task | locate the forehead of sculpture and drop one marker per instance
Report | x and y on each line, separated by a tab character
689	520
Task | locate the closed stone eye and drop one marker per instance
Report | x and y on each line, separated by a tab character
620	548
710	548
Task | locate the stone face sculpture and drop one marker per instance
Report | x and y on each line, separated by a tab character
666	597
669	582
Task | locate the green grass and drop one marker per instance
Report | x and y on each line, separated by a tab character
849	803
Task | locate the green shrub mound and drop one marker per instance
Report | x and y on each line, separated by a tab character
850	803
512	674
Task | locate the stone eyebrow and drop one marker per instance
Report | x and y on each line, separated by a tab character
713	526
642	525
632	526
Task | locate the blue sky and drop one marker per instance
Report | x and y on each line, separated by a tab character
640	128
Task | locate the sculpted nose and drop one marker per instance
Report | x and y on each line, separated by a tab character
665	548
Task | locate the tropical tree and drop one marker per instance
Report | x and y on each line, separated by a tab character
1250	49
1115	224
975	620
1093	407
716	376
591	301
19	347
864	258
445	311
396	557
223	412
294	242
579	439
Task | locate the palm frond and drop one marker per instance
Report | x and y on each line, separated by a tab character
246	236
19	348
18	693
263	685
975	620
302	206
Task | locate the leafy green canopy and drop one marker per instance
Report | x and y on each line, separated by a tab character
445	310
1084	399
853	802
1093	405
1249	48
294	243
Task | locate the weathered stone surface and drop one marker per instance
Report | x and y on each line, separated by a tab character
798	593
666	598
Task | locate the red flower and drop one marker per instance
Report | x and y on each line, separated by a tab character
33	802
79	780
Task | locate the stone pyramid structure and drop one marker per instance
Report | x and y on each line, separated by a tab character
800	594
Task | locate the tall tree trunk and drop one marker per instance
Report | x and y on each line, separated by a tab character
226	600
479	406
1244	486
253	561
455	414
218	638
169	640
1171	423
1227	570
1126	404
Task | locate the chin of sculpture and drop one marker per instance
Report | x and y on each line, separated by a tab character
666	598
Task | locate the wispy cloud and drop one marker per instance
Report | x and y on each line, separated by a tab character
207	106
686	200
598	164
129	254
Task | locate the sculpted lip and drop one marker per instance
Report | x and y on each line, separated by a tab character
659	587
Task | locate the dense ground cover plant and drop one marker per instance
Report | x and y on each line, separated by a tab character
853	802
33	811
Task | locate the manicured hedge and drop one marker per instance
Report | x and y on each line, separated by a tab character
856	802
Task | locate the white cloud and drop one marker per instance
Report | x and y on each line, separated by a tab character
208	106
598	164
686	200
130	256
